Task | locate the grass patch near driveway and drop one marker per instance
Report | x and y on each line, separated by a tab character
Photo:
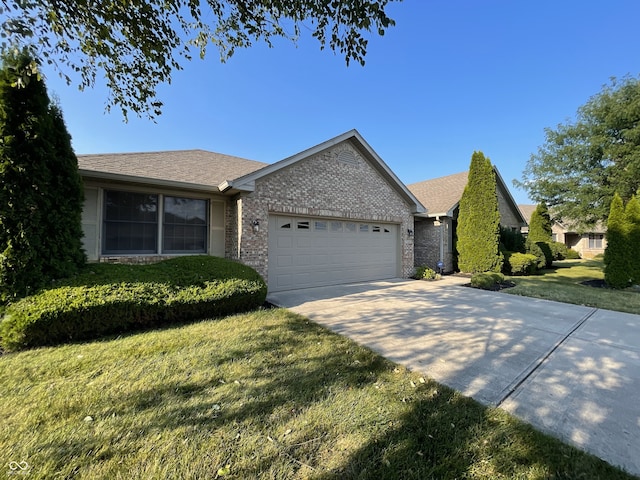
267	394
562	283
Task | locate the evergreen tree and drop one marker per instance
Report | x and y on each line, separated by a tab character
38	189
616	255
632	216
540	224
64	241
479	220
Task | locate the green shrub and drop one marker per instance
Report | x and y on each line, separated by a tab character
487	280
572	254
425	273
617	272
559	250
478	232
547	252
522	264
100	306
533	248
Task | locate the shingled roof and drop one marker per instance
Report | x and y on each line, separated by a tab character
441	195
195	167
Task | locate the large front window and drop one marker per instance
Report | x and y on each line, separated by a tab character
133	224
595	241
185	225
130	223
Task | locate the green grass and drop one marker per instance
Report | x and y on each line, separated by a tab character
562	283
268	394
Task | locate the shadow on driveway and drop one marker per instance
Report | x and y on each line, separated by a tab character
570	370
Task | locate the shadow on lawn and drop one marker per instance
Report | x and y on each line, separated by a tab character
442	434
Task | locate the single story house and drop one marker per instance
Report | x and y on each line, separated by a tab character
587	244
437	226
335	213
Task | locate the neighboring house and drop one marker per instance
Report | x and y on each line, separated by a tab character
332	214
587	244
435	230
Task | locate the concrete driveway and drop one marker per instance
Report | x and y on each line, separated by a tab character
569	370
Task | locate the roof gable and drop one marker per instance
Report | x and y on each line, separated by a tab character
442	195
247	182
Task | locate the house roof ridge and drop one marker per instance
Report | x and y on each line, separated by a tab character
436	179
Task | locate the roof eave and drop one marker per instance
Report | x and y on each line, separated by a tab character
117	177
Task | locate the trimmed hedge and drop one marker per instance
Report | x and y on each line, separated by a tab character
522	264
487	280
91	309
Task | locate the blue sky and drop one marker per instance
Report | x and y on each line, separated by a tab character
451	77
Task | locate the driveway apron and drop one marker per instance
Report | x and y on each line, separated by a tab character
569	370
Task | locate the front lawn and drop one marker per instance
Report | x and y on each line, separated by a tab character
563	283
267	394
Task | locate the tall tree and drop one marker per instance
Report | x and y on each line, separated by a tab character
38	189
137	44
582	163
540	229
479	219
632	217
616	255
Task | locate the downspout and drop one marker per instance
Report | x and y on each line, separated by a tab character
439	223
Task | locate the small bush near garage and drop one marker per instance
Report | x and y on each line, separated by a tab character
425	273
107	299
522	264
488	280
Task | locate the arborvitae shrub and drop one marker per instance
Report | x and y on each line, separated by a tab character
540	224
479	220
617	272
40	188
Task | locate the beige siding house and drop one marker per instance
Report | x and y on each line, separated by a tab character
332	214
587	244
435	230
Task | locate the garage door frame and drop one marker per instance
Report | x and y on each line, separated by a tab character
310	251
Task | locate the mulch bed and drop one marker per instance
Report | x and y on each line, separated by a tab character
594	283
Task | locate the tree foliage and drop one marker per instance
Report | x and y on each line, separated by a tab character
479	220
136	44
632	217
582	163
40	188
616	255
540	224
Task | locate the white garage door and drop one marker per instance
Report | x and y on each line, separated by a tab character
311	252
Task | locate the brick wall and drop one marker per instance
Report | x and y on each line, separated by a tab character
321	185
508	218
427	243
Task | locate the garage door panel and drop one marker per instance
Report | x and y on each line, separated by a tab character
307	252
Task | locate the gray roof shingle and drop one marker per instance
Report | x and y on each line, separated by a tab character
440	195
197	167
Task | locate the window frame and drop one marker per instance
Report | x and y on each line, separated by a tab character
596	241
159	230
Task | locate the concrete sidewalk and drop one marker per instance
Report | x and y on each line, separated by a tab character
569	370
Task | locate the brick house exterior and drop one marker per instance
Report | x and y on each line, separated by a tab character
341	181
587	243
435	231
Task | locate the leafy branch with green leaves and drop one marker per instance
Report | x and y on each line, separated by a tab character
137	45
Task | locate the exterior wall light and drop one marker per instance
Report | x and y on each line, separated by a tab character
256	225
410	232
